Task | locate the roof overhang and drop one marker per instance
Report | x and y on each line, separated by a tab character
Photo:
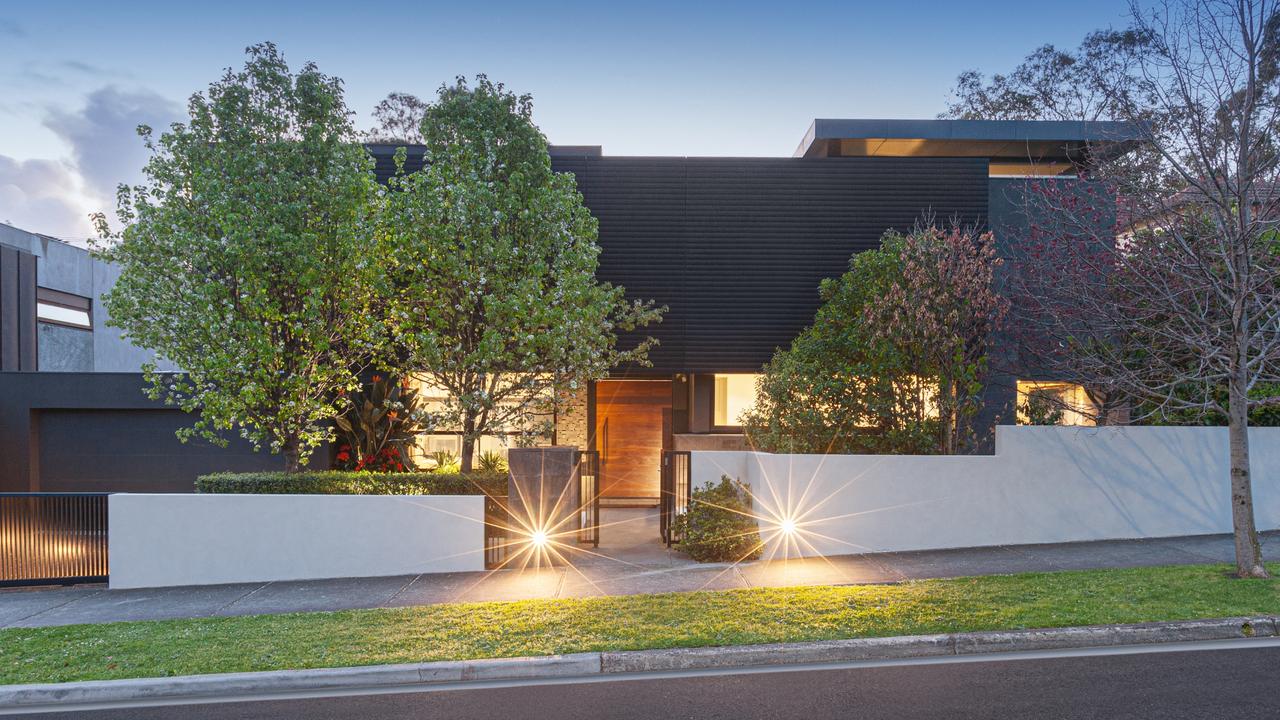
1056	146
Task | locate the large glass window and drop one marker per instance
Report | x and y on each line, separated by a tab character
1054	403
443	438
734	395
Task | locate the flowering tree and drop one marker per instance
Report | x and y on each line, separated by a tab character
897	354
245	257
1180	315
941	312
839	388
496	300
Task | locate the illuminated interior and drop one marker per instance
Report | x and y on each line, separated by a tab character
449	439
735	394
1062	402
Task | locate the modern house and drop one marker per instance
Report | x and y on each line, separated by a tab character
735	247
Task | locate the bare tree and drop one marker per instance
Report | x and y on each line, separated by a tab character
1179	299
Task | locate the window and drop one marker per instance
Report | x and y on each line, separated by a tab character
443	438
734	395
1054	403
60	308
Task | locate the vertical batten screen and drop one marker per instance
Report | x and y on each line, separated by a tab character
676	487
17	310
589	497
53	538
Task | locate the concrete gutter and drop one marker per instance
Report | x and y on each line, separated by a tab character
597	664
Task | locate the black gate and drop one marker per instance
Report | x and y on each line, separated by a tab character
53	538
497	521
589	497
676	486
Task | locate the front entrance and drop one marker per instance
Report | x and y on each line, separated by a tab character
632	425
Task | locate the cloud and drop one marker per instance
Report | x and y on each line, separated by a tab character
56	197
105	146
43	196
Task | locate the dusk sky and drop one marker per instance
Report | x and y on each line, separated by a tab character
647	78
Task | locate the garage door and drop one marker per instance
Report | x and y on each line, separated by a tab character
131	451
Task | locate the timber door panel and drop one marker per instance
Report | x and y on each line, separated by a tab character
629	431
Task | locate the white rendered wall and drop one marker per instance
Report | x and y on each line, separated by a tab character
1044	484
192	539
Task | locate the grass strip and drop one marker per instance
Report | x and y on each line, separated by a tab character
541	627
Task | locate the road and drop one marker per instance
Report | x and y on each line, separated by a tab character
1233	680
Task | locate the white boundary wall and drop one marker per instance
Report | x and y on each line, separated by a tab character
158	540
1044	484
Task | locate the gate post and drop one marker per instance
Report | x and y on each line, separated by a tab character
544	497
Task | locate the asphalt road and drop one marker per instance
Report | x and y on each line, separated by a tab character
1239	683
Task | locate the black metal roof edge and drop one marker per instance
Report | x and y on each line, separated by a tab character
971	130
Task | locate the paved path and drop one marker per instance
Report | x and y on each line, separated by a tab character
1236	681
629	561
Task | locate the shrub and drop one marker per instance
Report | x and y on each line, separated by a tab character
379	426
338	482
445	461
719	526
492	462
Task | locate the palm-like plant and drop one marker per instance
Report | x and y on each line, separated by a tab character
381	423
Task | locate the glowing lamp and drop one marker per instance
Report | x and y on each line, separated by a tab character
787	526
538	538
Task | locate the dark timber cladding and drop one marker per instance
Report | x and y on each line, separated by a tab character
736	247
17	310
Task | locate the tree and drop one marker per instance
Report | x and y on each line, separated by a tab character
245	257
838	388
398	119
1055	84
1099	80
1185	303
941	312
895	359
496	300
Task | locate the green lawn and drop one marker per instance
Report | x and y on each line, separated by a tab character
540	627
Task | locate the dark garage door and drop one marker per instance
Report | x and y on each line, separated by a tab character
131	451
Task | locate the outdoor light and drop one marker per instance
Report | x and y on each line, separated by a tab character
538	538
787	526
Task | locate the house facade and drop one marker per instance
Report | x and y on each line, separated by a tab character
734	247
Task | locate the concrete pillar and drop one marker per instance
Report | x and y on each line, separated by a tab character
543	494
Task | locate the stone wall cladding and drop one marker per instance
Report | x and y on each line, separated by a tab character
571	423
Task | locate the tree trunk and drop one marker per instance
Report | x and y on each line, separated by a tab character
947	419
468	444
292	455
1248	551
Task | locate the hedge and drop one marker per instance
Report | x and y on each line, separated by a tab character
342	482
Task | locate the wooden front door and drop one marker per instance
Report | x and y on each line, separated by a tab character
632	419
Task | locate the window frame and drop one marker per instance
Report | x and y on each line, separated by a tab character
66	301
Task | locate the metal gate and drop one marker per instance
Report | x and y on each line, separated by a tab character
676	487
497	521
53	538
589	497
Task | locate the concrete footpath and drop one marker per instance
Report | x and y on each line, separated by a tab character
629	561
638	664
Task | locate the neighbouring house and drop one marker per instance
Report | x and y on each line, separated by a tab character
735	247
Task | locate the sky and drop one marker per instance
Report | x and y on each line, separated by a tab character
642	78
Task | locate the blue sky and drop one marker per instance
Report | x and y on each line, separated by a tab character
654	78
